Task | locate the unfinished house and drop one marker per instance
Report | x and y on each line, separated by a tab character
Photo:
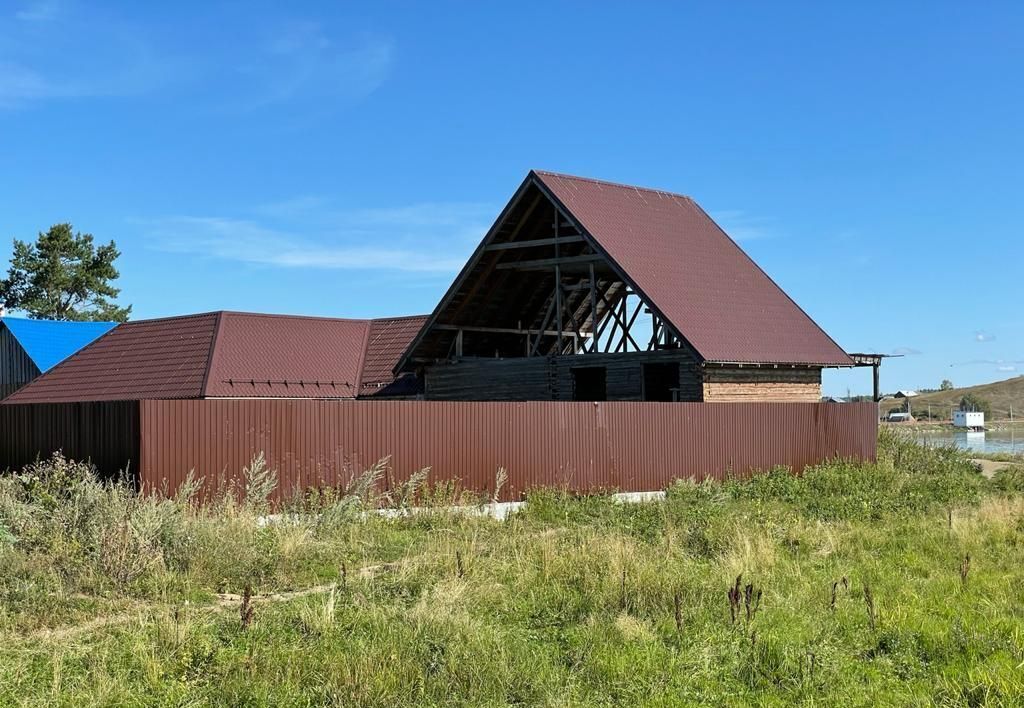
591	291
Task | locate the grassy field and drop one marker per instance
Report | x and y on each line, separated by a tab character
900	583
1002	395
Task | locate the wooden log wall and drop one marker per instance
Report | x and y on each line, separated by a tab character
551	378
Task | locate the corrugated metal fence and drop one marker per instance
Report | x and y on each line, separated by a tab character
583	446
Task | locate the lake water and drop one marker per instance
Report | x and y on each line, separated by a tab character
990	441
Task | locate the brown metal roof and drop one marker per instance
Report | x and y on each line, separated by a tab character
687	267
285	356
230	354
164	358
387	339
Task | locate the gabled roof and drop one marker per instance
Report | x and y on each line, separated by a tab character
712	292
48	342
662	246
229	354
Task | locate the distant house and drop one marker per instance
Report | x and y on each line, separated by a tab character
905	394
234	355
833	399
971	420
30	348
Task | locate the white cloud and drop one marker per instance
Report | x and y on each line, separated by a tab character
1006	367
297	65
301	62
981	336
905	351
742	226
419	238
54	53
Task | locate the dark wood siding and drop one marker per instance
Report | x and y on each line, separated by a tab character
105	433
16	368
550	378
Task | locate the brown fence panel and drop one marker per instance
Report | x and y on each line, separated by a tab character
106	434
585	446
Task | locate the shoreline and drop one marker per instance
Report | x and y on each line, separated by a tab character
931	426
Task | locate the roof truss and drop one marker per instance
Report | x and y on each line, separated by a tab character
539	285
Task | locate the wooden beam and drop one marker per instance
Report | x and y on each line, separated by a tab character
502	330
627	337
593	308
545	263
532	243
483	277
543	326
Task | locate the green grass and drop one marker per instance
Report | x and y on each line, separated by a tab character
110	599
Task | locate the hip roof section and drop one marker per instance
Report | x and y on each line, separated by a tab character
230	354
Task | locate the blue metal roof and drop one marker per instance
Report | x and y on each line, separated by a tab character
49	342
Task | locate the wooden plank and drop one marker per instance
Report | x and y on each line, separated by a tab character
502	330
532	243
546	263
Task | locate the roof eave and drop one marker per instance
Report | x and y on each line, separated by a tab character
815	364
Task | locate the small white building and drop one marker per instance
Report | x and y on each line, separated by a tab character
972	420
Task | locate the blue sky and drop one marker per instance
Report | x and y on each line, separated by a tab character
344	158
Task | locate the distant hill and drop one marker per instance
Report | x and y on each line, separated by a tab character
1000	394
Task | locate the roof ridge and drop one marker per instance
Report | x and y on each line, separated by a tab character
609	183
277	315
211	354
172	317
358	383
399	317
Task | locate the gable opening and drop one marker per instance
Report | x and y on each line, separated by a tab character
539	286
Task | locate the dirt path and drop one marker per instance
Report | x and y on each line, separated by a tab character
224	601
990	467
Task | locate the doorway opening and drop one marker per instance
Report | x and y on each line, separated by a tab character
589	383
661	382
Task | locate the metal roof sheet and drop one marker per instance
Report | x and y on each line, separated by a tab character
286	356
48	342
164	358
230	354
689	269
387	340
